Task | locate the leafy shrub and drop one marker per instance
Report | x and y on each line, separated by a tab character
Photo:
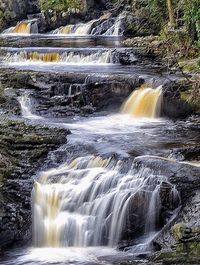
62	5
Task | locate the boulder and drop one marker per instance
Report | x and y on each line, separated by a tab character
173	105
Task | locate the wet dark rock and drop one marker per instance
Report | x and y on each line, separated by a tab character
8	101
174	206
107	91
180	237
150	46
63	95
103	27
186	153
23	148
11	11
60	94
186	247
127	23
183	175
173	105
126	57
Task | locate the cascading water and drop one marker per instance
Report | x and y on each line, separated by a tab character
91	27
144	102
26	105
96	58
100	57
116	29
94	202
80	29
23	27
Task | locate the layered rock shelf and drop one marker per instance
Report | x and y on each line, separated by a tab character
99	133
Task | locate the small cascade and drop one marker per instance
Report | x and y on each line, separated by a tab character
94	58
144	102
153	210
84	29
92	27
100	57
116	29
44	57
94	202
26	105
23	27
175	196
70	91
79	29
67	30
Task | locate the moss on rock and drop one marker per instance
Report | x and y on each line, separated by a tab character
187	246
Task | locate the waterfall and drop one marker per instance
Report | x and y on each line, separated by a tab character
84	29
23	27
67	30
94	202
116	29
144	102
153	210
89	28
26	104
36	56
70	91
100	57
94	58
79	29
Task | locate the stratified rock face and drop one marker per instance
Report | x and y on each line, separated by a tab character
23	148
11	11
180	240
62	95
173	106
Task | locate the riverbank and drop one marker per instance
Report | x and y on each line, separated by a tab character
24	148
177	60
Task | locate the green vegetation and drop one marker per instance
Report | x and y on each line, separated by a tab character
173	14
62	5
192	19
187	246
178	24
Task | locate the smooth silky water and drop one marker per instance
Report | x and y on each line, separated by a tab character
61	56
73	60
83	197
82	201
49	40
25	27
28	27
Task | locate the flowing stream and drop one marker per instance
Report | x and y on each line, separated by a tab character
85	203
93	27
91	196
88	204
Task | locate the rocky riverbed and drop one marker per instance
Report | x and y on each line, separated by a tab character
63	127
25	147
